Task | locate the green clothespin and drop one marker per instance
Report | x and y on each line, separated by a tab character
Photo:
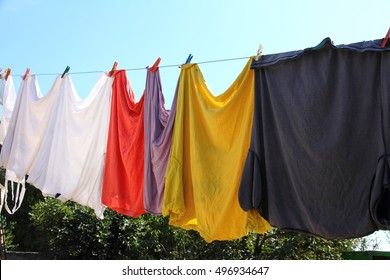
66	71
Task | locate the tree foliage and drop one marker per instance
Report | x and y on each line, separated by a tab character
71	231
66	230
20	231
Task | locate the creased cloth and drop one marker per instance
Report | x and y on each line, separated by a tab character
210	139
318	161
59	140
159	123
123	183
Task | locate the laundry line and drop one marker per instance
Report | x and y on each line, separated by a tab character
140	68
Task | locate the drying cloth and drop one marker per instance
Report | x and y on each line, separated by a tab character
210	139
7	99
28	124
158	140
64	139
17	186
319	154
2	86
123	186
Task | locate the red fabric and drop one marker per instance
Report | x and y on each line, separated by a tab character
123	183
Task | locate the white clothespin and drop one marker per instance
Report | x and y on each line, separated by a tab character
259	52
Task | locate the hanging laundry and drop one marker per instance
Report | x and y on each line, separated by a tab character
59	140
158	139
210	139
7	99
27	126
123	184
319	154
2	85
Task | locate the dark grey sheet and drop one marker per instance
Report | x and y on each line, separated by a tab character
319	155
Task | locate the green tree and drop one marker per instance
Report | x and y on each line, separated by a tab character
72	231
280	245
66	230
20	232
8	228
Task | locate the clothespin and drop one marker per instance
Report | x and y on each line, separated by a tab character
8	72
189	59
113	69
155	65
385	39
66	71
259	52
26	74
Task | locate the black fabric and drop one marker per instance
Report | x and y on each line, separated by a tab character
318	160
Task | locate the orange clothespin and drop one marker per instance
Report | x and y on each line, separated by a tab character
385	39
8	72
113	69
155	65
26	74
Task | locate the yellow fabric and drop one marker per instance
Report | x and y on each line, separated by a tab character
210	141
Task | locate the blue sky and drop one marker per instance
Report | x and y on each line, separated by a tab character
47	35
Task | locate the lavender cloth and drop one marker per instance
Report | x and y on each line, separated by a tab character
158	139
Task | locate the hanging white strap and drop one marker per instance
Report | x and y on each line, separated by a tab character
3	190
17	193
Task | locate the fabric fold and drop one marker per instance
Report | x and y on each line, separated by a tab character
380	198
158	139
251	179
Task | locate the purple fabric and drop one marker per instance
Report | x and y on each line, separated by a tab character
158	140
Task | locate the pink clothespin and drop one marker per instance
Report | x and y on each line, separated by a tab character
155	65
385	39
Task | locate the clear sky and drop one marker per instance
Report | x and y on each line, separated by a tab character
47	35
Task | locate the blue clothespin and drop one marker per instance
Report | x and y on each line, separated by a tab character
189	59
66	71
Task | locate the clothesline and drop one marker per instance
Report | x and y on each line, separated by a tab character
202	163
141	68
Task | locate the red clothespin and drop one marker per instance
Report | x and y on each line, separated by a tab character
26	74
113	69
385	39
155	65
8	72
